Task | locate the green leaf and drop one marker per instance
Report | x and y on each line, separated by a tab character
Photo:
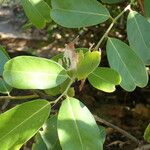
4	57
124	60
104	79
147	134
37	11
58	89
60	55
102	133
77	129
77	13
112	1
87	65
146	8
28	72
138	29
47	139
20	123
4	87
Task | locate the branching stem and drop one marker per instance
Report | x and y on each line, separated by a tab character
131	137
111	25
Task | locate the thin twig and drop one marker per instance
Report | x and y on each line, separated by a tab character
19	97
64	93
131	137
111	25
143	147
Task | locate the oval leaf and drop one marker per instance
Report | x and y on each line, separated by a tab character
20	123
77	13
28	72
37	11
147	134
138	29
77	129
87	64
104	79
124	60
47	139
4	57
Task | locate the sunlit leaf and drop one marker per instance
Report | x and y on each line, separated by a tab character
20	123
28	72
86	65
47	139
37	11
138	29
104	79
77	129
125	61
78	13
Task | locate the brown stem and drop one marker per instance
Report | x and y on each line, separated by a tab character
131	137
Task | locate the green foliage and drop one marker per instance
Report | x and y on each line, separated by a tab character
37	11
147	134
91	12
4	57
47	139
35	73
77	128
146	8
104	79
85	67
124	60
19	124
138	29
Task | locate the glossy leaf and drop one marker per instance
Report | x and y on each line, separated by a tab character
47	139
112	1
77	129
37	11
125	61
147	134
77	13
87	64
4	57
104	79
28	72
138	29
20	123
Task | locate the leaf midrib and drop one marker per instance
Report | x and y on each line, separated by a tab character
81	12
139	29
103	79
74	119
38	73
35	9
23	122
122	60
